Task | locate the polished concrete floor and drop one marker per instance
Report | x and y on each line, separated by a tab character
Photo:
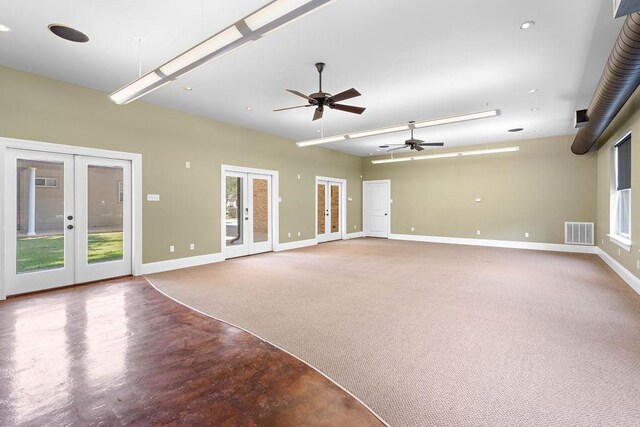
119	353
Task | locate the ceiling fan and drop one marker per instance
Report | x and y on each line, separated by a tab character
412	143
322	99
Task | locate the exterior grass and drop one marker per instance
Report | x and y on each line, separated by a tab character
46	253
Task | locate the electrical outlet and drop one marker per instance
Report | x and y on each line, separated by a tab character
638	264
298	234
478	232
298	176
172	248
355	227
192	246
619	252
603	241
288	234
478	199
187	165
526	235
413	229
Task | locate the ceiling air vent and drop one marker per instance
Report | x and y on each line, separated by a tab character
578	233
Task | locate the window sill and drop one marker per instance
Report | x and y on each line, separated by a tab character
620	241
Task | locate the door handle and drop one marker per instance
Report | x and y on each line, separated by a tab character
70	227
70	217
385	214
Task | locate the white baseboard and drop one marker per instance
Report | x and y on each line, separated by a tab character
497	243
295	245
175	264
632	280
353	235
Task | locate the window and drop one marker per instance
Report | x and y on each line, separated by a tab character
47	182
621	194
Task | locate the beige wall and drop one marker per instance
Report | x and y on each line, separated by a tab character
627	120
42	109
531	191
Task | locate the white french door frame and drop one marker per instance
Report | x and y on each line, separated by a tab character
275	201
343	204
364	204
37	146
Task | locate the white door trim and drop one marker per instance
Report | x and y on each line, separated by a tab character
343	204
275	202
364	205
136	191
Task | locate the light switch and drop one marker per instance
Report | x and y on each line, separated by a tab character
478	199
188	165
153	197
172	248
192	246
350	199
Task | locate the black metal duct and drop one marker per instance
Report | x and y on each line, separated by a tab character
619	80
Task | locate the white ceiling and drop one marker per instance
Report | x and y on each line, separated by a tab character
410	59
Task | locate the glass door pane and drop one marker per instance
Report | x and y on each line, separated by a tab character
322	189
335	208
260	210
234	208
40	240
105	197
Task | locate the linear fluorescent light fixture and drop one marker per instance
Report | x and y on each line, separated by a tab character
444	155
320	141
399	128
272	16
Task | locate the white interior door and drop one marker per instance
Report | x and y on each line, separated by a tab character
376	208
329	210
103	218
248	214
39	246
68	220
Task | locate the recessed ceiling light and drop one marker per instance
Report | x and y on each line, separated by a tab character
527	25
68	33
533	90
4	29
515	130
537	130
248	108
371	154
188	88
535	109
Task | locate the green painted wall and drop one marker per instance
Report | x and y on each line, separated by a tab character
531	191
627	120
41	109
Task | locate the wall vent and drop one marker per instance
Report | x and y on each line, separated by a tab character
578	233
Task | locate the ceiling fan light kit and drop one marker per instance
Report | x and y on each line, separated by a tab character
407	126
258	24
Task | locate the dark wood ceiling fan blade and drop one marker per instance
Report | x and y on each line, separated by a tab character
397	148
432	144
347	94
300	94
348	108
317	114
291	108
391	145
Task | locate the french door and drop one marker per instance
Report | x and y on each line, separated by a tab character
68	220
248	212
328	208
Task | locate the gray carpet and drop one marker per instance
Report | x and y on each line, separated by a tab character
432	334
